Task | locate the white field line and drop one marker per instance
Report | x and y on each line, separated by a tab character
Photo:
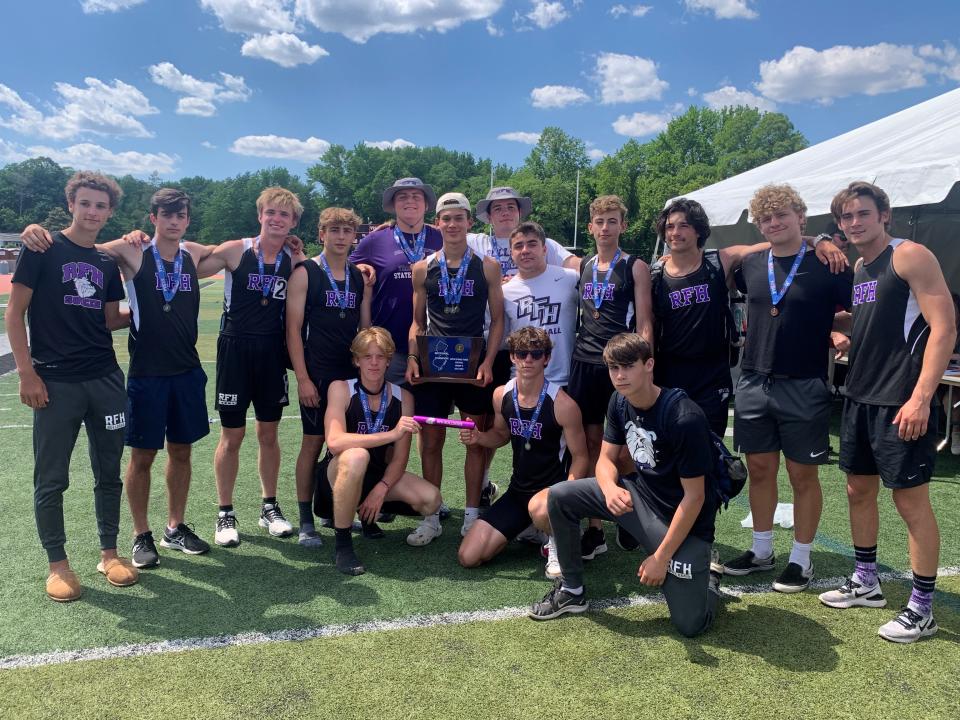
211	420
17	662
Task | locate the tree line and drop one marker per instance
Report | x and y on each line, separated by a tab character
698	148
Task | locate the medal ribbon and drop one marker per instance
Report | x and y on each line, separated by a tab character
373	426
168	292
528	432
342	297
452	290
598	289
276	268
777	296
414	253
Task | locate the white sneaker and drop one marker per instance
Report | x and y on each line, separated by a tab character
955	442
908	627
552	570
271	518
424	533
467	524
533	535
226	534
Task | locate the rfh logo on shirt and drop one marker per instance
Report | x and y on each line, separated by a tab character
185	283
607	291
519	427
865	293
539	310
333	298
362	428
695	294
84	278
254	282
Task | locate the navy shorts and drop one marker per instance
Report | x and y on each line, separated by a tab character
435	399
312	418
870	444
589	386
172	407
251	370
509	515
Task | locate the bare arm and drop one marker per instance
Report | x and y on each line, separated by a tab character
419	325
618	499
33	391
366	305
653	569
296	303
116	318
568	415
572	263
225	256
643	300
335	424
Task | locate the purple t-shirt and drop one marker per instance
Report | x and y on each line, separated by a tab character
393	292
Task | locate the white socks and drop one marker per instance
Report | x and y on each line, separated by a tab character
801	554
763	544
471	513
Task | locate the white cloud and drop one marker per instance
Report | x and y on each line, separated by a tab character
521	137
691	92
105	6
252	16
947	55
723	9
557	96
284	148
200	97
729	96
285	49
806	74
96	157
98	109
640	124
596	154
493	30
208	145
10	153
389	144
547	14
626	78
632	10
360	20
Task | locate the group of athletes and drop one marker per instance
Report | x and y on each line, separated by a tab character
598	429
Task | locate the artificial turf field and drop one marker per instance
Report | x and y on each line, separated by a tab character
418	636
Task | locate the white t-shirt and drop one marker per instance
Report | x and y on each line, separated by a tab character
548	301
483	244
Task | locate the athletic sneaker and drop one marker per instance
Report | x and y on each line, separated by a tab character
533	535
558	602
749	563
372	531
907	627
716	573
424	533
271	518
592	543
489	494
626	541
226	534
467	524
347	562
552	570
185	540
793	579
328	523
145	553
715	566
853	593
309	538
386	518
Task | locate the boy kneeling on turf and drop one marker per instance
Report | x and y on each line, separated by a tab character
368	425
667	505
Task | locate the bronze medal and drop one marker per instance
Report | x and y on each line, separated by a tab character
774	311
264	301
596	314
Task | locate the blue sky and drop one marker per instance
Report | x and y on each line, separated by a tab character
218	87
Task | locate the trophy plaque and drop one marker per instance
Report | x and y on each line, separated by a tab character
449	359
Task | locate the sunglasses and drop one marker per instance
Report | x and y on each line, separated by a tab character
524	354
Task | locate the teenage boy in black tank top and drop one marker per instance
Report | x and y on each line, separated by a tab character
903	335
322	320
691	308
69	375
364	470
537	459
432	316
620	302
782	398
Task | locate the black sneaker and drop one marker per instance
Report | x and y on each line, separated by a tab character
386	518
558	602
328	523
185	540
592	543
372	531
749	563
145	553
347	562
489	494
793	579
626	541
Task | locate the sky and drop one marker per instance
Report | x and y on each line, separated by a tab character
221	87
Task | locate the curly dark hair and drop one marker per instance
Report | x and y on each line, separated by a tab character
695	215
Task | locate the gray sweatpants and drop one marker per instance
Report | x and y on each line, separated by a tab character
100	405
691	604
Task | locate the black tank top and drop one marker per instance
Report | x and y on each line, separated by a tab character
243	311
357	422
163	343
542	465
616	312
889	334
468	322
328	336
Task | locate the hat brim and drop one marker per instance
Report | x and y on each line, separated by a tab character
388	194
483	207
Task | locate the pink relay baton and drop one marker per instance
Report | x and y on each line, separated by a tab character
444	422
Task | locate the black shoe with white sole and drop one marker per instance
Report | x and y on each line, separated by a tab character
558	602
185	540
793	579
749	563
592	543
145	553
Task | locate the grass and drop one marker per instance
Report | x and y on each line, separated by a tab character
765	650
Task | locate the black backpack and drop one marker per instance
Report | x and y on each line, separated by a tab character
728	475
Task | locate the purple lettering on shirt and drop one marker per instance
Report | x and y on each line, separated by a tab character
608	289
82	270
362	428
865	293
332	298
695	294
518	427
254	283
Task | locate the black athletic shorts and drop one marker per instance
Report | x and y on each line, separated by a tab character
437	399
509	515
590	387
312	418
502	368
870	445
251	370
323	491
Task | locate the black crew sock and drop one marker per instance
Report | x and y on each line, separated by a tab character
226	508
343	538
270	501
306	512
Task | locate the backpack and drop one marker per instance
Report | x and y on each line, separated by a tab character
734	313
728	475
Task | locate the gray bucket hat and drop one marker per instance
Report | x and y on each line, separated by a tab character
408	183
503	193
